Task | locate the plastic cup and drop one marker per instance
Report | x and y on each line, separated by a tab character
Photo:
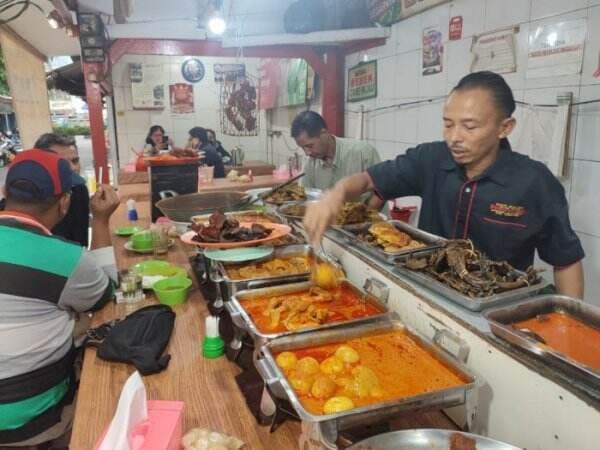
131	287
206	174
160	241
142	240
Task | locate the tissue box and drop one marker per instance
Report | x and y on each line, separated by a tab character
163	429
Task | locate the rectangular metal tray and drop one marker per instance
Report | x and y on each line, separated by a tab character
501	318
431	241
242	319
253	283
268	216
472	303
280	386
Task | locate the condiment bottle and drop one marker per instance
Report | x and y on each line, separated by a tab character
132	214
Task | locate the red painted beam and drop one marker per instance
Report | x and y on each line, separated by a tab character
93	95
359	46
333	92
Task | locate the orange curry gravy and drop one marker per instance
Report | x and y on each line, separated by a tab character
404	368
346	306
568	335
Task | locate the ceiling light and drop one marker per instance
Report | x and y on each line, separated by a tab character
54	20
217	25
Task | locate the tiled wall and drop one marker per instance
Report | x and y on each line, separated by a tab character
133	125
400	80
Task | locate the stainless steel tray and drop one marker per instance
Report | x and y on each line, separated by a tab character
282	210
279	385
425	439
431	241
471	303
501	318
253	283
242	319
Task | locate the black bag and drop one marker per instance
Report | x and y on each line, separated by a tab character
139	339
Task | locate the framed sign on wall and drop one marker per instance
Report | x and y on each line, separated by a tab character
362	81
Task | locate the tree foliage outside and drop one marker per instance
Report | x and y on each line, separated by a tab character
4	89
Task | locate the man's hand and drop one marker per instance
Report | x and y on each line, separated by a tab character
104	202
320	215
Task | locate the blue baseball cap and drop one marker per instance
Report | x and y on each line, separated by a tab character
38	175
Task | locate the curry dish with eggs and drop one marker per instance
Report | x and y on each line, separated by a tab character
307	309
378	368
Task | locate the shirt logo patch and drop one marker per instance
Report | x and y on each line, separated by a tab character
502	209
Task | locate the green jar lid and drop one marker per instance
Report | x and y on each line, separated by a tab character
213	347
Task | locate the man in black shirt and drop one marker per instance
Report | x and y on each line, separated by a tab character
209	155
75	225
475	187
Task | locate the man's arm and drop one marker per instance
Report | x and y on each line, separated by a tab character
569	280
320	215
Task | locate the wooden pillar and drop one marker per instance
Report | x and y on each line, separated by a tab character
92	73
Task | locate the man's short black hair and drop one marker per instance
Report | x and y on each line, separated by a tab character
200	133
47	140
308	122
495	84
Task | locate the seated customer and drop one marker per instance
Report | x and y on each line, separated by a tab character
199	141
224	154
156	141
45	282
75	224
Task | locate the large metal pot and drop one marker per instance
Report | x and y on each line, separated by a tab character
181	208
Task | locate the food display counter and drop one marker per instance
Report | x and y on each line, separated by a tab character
512	396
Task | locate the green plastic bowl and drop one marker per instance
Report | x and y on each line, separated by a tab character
172	291
127	230
142	241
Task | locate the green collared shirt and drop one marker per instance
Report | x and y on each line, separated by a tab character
351	156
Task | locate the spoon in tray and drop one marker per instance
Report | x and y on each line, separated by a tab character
326	272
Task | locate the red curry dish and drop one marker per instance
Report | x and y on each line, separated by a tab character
307	309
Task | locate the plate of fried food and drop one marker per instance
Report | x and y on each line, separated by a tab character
351	213
226	232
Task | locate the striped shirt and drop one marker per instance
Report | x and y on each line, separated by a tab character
44	281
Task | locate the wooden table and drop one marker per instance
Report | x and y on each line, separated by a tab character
258	168
208	388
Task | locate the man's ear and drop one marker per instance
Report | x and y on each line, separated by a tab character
63	204
507	127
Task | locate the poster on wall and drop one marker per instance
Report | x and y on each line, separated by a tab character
268	84
387	12
556	49
362	81
229	73
296	81
182	98
494	51
147	88
433	51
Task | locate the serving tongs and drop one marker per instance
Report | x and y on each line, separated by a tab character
275	189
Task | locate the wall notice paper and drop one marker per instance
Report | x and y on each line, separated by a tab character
556	49
494	51
147	86
433	51
297	81
229	73
182	98
541	134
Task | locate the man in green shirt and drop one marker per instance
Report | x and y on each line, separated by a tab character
329	158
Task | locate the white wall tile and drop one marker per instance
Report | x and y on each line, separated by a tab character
585	213
386	124
434	85
439	18
594	2
516	80
506	13
430	122
473	14
410	34
407	75
458	61
547	8
386	149
591	54
407	124
386	79
587	142
591	268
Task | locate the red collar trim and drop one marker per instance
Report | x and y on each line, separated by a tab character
25	218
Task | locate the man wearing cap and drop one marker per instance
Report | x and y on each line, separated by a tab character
46	280
75	225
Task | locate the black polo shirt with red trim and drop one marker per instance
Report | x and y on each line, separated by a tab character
514	208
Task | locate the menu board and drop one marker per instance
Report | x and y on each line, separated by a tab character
147	86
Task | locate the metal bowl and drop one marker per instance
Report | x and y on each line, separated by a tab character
425	439
182	207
